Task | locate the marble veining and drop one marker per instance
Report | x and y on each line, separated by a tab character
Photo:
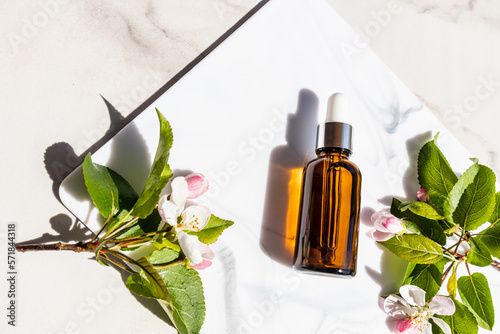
456	10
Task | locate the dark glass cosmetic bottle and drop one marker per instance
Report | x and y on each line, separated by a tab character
327	235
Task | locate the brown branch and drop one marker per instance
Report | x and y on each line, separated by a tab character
78	247
495	264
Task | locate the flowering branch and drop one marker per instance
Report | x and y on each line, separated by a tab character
172	236
423	232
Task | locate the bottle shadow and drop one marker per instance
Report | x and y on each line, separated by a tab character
284	181
393	268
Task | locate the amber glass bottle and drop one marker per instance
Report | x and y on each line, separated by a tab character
327	236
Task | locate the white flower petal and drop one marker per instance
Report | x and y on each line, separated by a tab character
442	305
442	324
397	307
463	248
380	236
206	252
393	225
168	211
413	295
379	214
195	218
179	193
388	223
190	247
426	327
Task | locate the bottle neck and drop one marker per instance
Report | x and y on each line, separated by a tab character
334	134
323	151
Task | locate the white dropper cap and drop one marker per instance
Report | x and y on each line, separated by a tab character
338	108
336	132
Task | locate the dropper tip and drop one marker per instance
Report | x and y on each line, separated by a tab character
338	108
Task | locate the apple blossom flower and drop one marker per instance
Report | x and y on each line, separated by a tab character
196	251
423	195
193	218
386	226
173	211
413	312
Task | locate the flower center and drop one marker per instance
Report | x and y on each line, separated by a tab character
420	317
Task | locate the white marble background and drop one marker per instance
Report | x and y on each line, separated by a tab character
59	59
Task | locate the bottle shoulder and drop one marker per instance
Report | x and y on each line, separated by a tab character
335	160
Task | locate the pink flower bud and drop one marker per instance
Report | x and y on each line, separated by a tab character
197	185
423	195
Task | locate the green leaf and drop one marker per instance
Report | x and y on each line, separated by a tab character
461	322
160	172
143	226
187	307
495	215
478	200
120	188
421	209
163	256
127	197
425	276
101	187
478	255
140	286
441	263
213	230
434	173
414	248
452	283
453	198
178	289
409	269
432	229
476	295
166	243
491	238
452	229
148	282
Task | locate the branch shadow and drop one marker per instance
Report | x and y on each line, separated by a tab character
66	230
284	180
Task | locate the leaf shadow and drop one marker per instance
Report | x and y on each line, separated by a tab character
393	268
60	159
